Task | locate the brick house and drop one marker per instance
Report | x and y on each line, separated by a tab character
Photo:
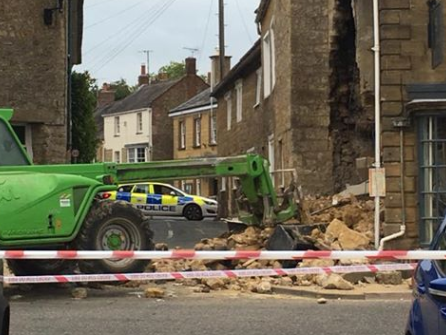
38	47
195	136
138	128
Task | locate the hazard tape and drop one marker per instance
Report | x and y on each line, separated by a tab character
206	274
226	255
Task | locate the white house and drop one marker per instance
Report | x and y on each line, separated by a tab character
128	135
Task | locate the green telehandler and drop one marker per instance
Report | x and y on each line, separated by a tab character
59	207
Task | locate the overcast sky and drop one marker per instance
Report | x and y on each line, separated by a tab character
116	31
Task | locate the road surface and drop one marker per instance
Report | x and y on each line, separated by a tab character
221	314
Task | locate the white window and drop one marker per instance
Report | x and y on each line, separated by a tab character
197	128
117	157
269	63
271	157
258	86
213	132
139	123
131	155
117	126
228	109
182	135
140	155
239	91
136	155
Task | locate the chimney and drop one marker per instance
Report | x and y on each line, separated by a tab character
215	68
191	66
105	96
143	78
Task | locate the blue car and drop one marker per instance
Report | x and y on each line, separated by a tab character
428	312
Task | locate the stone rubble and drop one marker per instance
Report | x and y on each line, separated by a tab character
349	226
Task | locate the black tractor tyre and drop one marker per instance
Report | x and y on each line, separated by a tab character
114	226
32	267
193	212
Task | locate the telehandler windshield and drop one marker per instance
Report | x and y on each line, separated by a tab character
11	154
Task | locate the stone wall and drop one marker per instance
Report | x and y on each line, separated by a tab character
33	74
406	59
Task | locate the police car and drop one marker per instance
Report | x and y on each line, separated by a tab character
164	200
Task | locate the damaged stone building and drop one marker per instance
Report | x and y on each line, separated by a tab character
303	108
317	104
40	41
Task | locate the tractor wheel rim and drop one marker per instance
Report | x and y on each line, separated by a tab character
119	234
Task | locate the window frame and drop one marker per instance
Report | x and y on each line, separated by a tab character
429	176
197	132
228	99
213	129
182	135
117	123
239	100
258	96
139	123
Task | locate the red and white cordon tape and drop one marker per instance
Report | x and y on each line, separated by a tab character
226	255
206	274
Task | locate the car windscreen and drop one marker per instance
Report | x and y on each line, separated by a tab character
11	154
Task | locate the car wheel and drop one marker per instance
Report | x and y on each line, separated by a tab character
193	213
114	226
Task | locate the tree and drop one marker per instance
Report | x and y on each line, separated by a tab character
83	103
174	70
122	89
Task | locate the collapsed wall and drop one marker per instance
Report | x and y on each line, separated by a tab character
351	123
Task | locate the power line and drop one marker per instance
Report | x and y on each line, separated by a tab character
112	16
244	22
206	29
105	59
100	3
157	15
138	20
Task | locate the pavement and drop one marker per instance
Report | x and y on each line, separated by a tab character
367	292
117	312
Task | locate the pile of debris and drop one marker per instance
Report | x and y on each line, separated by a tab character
345	224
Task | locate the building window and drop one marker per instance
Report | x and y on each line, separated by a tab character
213	129
117	157
197	132
271	157
258	87
139	123
117	126
436	32
136	155
228	109
239	97
269	61
432	149
182	135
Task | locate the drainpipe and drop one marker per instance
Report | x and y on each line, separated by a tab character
376	50
403	196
